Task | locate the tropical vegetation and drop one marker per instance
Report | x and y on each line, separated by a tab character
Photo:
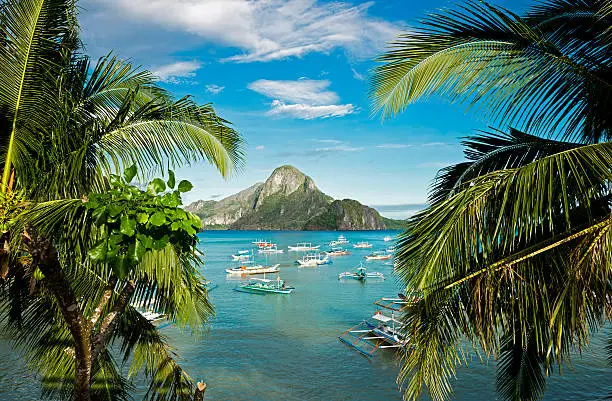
84	246
514	253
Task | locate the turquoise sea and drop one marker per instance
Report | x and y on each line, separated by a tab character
286	347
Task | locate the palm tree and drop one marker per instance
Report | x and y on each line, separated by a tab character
67	128
514	252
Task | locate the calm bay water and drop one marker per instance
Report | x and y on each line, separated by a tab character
286	347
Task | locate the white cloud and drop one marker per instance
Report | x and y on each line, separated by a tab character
340	148
305	99
267	30
328	140
430	144
214	89
173	73
357	75
309	112
260	147
307	91
393	146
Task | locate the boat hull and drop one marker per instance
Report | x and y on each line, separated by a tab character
240	272
256	290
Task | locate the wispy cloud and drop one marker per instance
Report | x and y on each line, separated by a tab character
430	144
339	148
216	196
308	112
328	141
176	72
393	146
304	98
260	147
308	91
214	89
268	29
357	75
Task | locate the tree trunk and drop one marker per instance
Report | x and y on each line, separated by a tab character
82	382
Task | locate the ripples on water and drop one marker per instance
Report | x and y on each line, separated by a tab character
286	347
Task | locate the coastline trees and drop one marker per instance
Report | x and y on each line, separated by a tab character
514	252
80	243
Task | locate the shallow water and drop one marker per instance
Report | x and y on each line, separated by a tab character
286	347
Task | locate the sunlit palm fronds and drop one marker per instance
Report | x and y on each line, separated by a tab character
515	72
36	35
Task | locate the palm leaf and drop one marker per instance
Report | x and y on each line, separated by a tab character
35	31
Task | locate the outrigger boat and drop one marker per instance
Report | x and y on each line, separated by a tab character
304	246
340	241
270	250
242	255
388	238
313	260
378	255
337	251
362	245
263	286
390	249
381	330
360	274
249	267
263	244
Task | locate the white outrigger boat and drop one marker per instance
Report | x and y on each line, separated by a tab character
361	273
382	330
264	286
362	245
378	255
340	241
242	255
337	251
388	238
313	260
270	250
249	267
304	247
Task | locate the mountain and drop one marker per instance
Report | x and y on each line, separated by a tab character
288	200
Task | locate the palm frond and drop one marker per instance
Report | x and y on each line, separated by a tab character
490	58
520	371
491	151
35	42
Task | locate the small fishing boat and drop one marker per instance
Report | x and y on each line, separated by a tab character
361	273
313	260
270	250
249	267
303	247
337	251
242	255
362	245
388	238
390	249
381	331
264	286
340	241
378	255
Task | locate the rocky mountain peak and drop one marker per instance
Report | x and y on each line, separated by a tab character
285	180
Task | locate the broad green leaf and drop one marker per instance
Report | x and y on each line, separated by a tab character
171	179
128	226
157	219
130	173
161	243
175	225
185	186
114	209
142	218
189	228
98	253
145	240
156	186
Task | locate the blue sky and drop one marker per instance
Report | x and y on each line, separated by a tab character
292	76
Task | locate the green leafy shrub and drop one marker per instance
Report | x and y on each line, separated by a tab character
132	221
